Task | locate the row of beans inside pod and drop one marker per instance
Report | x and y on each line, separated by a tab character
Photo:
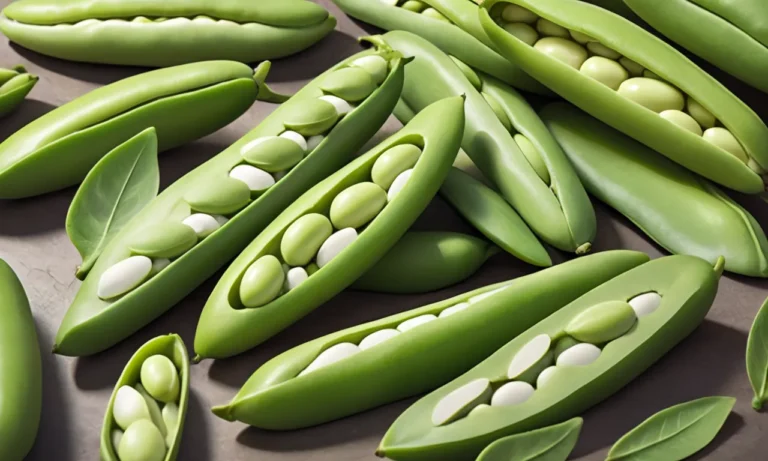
265	160
418	7
538	360
628	78
199	19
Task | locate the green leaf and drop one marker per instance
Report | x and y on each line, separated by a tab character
757	356
553	443
675	433
117	188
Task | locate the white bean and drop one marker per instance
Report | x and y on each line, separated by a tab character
295	137
203	224
129	406
378	337
545	376
334	245
513	393
581	354
332	355
124	276
342	106
461	401
255	178
415	322
482	296
645	304
529	355
453	309
294	277
398	184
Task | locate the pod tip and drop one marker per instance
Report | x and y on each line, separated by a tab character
719	265
757	403
380	452
196	359
223	412
584	248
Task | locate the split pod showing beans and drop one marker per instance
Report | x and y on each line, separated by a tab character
145	415
636	83
331	235
379	362
209	215
426	19
21	370
679	210
171	32
575	358
15	85
518	155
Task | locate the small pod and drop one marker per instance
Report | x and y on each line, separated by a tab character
102	31
15	85
227	328
277	397
686	286
172	348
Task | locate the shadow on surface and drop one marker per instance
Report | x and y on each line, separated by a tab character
732	425
179	161
313	61
195	440
28	111
24	216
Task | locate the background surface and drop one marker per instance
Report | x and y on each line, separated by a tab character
76	391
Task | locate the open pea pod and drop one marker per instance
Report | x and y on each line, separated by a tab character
15	85
679	210
369	212
145	415
207	217
636	83
438	29
385	359
21	370
555	206
167	33
575	358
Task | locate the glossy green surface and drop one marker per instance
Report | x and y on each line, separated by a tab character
275	398
172	347
21	381
679	210
757	357
687	286
10	99
104	31
226	328
82	329
552	443
636	121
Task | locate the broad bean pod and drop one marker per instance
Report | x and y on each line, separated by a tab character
15	85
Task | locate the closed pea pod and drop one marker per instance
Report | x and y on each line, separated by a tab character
15	85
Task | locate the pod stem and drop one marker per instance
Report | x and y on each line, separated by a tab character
196	359
719	265
584	248
265	92
379	453
224	412
757	403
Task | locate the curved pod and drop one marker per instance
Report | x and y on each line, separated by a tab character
172	32
81	330
226	328
275	397
19	84
686	285
627	116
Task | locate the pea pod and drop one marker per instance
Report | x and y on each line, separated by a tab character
680	211
15	85
256	198
21	381
279	395
227	326
668	102
172	32
169	348
669	297
558	212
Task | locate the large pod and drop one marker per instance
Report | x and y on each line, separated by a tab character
227	327
237	211
641	86
679	210
464	330
167	33
558	211
647	310
21	370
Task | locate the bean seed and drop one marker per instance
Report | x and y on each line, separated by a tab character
356	205
170	415
350	83
682	120
203	224
498	110
599	49
545	376
376	65
434	14
123	276
256	179
342	106
224	196
702	116
564	344
416	322
414	5
723	139
272	154
459	402
202	18
548	28
580	37
295	277
158	265
393	162
645	304
142	441
129	406
517	13
313	117
649	74
304	237
312	268
160	378
581	354
154	409
602	322
456	308
523	32
398	184
565	51
334	245
295	137
533	156
652	94
531	354
634	69
314	141
117	434
513	393
261	282
378	337
164	240
331	355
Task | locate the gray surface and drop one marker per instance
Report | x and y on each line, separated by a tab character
33	241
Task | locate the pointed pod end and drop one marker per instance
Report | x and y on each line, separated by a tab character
719	266
584	248
196	359
492	251
380	452
757	404
224	412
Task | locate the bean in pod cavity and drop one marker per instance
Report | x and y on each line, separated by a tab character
634	82
15	85
344	225
209	215
167	33
341	374
575	358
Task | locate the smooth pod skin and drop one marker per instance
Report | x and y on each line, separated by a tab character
275	398
421	262
679	210
687	286
82	329
172	347
560	214
646	126
102	31
226	328
183	103
21	380
12	98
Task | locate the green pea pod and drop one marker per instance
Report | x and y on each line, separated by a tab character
684	288
82	329
559	212
446	36
227	328
421	262
740	171
21	381
168	33
172	347
277	397
680	211
15	85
